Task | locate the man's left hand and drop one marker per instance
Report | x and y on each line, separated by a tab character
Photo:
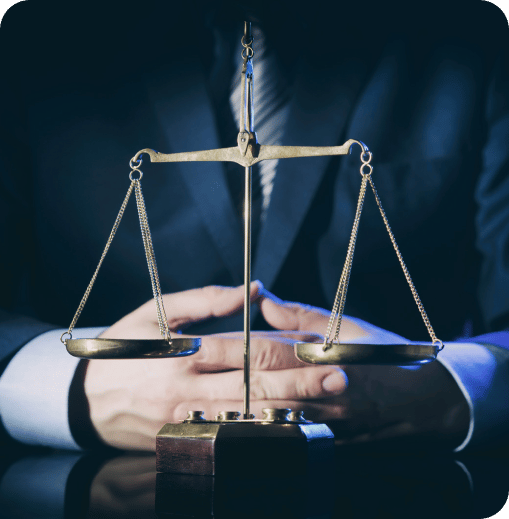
382	402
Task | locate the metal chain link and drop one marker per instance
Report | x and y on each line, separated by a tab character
247	51
103	255
339	301
149	253
417	299
151	262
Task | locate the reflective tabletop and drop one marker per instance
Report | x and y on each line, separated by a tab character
361	484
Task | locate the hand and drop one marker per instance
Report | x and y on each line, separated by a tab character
130	400
381	402
124	487
286	315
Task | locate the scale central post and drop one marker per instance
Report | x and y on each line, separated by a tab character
246	130
247	294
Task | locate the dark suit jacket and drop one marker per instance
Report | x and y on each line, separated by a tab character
86	87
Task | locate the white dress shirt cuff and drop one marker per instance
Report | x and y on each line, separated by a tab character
34	390
36	486
482	376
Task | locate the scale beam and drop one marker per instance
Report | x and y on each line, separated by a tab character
251	154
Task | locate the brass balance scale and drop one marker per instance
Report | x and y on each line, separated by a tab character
200	446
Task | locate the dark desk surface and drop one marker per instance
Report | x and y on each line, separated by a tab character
44	484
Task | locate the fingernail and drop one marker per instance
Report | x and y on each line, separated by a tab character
260	285
336	382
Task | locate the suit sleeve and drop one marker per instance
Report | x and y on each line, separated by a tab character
481	370
481	367
17	327
492	195
18	324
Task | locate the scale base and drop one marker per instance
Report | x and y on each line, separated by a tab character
274	445
379	354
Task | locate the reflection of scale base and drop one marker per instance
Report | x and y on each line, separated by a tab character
282	443
244	497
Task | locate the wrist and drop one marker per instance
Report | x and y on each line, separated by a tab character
80	423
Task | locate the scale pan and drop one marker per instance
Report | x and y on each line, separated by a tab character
131	348
380	354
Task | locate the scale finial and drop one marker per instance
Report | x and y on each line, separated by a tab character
247	32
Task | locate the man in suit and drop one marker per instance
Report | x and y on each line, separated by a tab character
430	100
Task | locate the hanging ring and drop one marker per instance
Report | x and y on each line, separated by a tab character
244	44
62	337
249	53
131	174
438	341
366	165
133	165
363	159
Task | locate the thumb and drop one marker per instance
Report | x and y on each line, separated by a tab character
285	315
203	303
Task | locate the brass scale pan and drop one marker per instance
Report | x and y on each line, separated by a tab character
308	352
379	354
132	348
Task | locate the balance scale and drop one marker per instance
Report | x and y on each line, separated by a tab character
214	446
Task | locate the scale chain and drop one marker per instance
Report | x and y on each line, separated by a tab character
351	249
103	255
149	252
339	301
151	262
417	299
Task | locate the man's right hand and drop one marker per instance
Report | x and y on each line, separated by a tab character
130	400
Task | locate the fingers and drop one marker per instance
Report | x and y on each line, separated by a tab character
182	308
290	384
269	351
285	315
202	303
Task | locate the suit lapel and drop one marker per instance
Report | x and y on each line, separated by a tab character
183	107
318	114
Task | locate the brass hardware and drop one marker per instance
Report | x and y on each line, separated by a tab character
275	415
131	348
193	416
389	354
225	416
